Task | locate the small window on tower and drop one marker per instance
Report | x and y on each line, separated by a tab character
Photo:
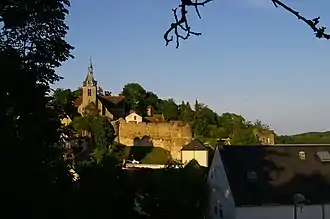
89	92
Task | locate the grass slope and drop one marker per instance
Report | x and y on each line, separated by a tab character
305	138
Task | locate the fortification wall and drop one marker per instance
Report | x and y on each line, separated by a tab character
170	136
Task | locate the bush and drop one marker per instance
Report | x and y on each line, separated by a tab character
147	155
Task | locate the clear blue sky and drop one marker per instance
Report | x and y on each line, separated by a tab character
252	58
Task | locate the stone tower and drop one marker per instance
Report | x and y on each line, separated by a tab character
89	88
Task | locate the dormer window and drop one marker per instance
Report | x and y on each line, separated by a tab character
251	176
302	155
324	156
213	173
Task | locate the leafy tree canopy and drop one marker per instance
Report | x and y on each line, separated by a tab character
100	129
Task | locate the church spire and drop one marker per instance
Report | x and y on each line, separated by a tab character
90	67
90	81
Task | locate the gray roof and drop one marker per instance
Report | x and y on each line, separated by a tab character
89	80
261	175
195	145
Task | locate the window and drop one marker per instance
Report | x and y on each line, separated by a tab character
89	92
218	210
251	176
324	156
268	140
134	118
302	155
213	172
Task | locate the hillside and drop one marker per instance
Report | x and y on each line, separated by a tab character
305	138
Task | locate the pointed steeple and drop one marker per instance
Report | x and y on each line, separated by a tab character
90	67
90	81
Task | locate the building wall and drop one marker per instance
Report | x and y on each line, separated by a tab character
170	136
219	193
282	212
133	117
200	156
88	99
267	138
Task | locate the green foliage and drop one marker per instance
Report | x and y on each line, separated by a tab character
136	97
63	100
305	138
177	192
101	190
147	154
101	130
170	110
206	124
32	45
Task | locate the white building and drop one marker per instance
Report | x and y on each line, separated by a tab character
133	117
264	182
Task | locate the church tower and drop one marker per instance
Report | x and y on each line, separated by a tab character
89	88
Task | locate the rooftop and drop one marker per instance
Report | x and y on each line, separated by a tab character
260	175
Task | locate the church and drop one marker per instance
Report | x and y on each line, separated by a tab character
113	107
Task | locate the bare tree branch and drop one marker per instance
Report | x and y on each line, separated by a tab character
319	31
181	22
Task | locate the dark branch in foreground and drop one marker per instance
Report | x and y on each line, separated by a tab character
181	21
319	31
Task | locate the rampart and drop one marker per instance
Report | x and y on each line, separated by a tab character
170	136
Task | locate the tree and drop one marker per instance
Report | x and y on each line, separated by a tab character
261	126
204	117
64	101
100	91
32	45
100	129
135	96
175	192
153	100
186	113
170	110
244	136
77	93
107	93
181	21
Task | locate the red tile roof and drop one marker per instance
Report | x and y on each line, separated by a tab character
77	102
156	118
112	99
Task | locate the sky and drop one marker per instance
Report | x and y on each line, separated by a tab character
252	58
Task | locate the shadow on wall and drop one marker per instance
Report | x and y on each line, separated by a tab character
144	141
144	151
141	147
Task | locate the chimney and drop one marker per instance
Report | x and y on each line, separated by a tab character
149	110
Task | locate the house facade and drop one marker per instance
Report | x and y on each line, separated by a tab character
133	117
195	150
266	137
258	182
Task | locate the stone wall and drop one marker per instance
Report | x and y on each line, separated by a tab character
170	136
